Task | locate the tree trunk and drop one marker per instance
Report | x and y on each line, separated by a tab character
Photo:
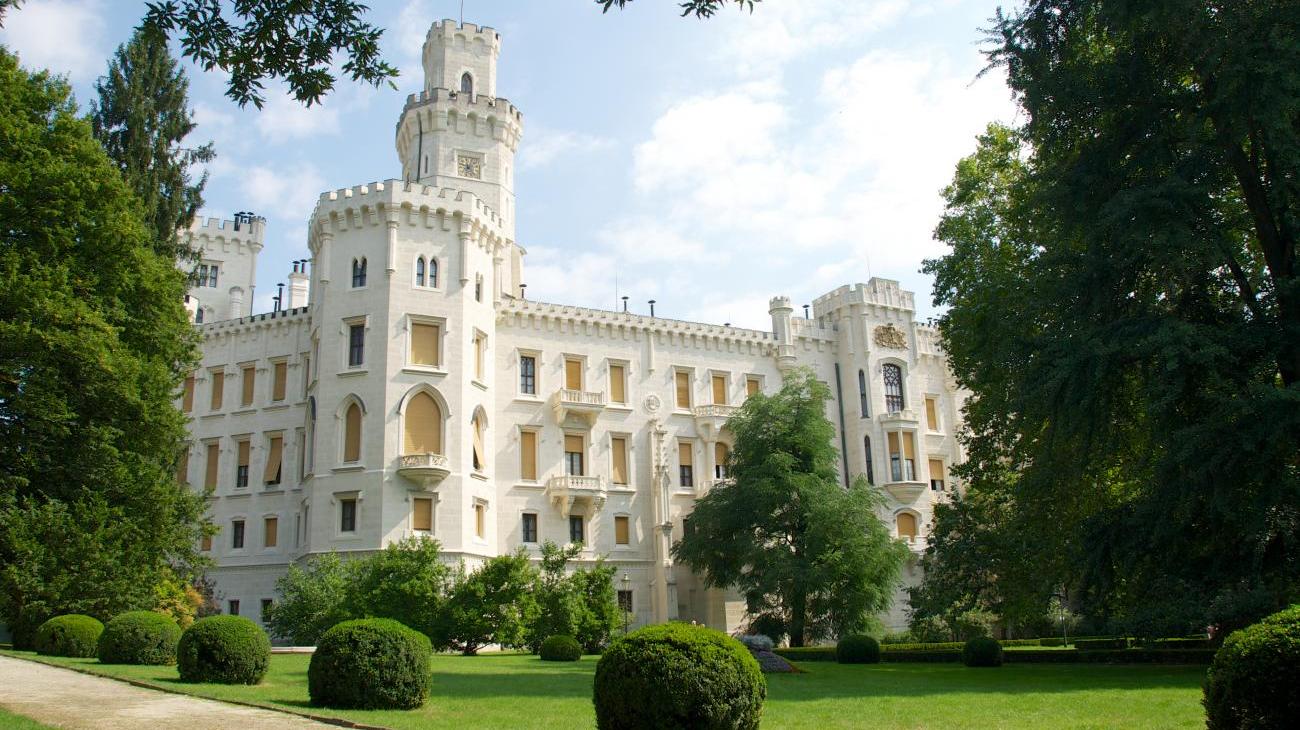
798	616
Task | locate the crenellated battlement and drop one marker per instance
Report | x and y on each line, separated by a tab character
877	292
405	193
447	30
297	316
474	102
205	230
519	311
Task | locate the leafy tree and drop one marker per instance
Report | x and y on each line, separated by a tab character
142	118
312	599
698	8
581	604
93	341
1125	308
601	615
259	40
493	605
802	549
406	581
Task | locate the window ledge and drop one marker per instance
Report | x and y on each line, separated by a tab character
276	406
350	372
618	407
525	398
478	475
349	467
241	494
621	488
424	369
530	485
207	416
244	411
479	384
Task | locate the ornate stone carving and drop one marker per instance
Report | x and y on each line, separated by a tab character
890	337
652	404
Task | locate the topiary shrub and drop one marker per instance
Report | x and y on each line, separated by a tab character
1252	682
560	648
72	634
857	649
224	650
678	675
139	637
982	651
372	664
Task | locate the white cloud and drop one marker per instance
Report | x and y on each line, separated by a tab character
545	145
407	42
287	193
284	118
65	36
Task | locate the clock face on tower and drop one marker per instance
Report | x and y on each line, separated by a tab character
469	166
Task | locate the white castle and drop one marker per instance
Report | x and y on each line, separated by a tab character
419	393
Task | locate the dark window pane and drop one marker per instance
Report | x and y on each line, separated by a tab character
893	388
237	534
356	345
576	529
528	375
688	479
348	515
530	528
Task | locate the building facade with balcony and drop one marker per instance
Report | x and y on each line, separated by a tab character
418	393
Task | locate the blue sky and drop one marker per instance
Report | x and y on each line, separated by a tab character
706	164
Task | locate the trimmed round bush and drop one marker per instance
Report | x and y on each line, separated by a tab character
1253	679
223	650
678	675
857	649
560	648
371	664
140	637
72	634
982	651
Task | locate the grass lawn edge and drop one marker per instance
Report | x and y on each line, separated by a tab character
336	721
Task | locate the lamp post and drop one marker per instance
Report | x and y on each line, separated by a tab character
627	610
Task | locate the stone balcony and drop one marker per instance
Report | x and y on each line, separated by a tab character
426	470
905	417
710	419
906	492
582	405
569	490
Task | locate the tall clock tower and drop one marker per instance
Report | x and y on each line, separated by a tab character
457	133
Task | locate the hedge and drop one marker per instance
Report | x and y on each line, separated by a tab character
806	653
560	648
223	649
1254	678
982	651
140	637
678	676
72	635
371	664
858	649
1096	644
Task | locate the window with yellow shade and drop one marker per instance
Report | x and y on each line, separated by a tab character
187	397
274	461
218	389
248	381
279	381
617	383
422	426
906	525
931	413
478	454
719	389
752	386
528	455
352	434
480	520
422	514
902	455
618	459
622	531
270	532
212	466
425	344
937	475
572	373
682	382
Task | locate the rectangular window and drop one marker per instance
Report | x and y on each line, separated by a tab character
232	607
683	382
212	466
751	386
237	534
572	373
248	379
621	530
187	399
279	381
902	456
183	466
356	345
424	344
212	276
617	384
271	532
306	374
618	459
931	415
527	375
480	520
625	601
528	455
274	461
573	452
266	609
241	471
529	526
205	543
218	389
347	515
937	476
575	529
422	514
480	355
720	390
720	454
686	463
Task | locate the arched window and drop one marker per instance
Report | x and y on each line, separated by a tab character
198	316
352	434
871	472
478	288
466	84
358	272
419	271
433	272
906	524
893	388
862	393
423	426
476	428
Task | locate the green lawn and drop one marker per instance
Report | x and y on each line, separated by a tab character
513	691
10	721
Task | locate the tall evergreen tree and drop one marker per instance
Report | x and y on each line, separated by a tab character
142	118
93	340
808	555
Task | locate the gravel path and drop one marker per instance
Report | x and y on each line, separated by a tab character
64	698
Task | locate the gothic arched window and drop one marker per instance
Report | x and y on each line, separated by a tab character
862	393
433	272
198	316
893	388
466	84
871	472
352	434
423	426
358	272
419	271
906	523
